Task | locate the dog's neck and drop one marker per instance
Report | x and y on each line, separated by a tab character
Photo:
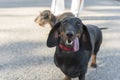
53	20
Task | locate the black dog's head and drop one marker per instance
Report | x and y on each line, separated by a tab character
66	32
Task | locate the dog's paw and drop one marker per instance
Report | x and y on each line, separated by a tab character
93	65
67	78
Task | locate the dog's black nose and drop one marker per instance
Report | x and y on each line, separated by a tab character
70	34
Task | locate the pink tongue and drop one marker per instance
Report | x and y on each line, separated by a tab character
76	44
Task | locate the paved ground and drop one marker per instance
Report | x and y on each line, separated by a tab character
23	51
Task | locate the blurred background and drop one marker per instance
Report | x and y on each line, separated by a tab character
23	51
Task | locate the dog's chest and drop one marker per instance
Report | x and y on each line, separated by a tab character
71	63
71	59
67	59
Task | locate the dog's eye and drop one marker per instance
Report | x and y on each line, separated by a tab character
78	23
46	16
64	22
77	26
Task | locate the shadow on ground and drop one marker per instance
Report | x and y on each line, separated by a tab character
22	54
105	63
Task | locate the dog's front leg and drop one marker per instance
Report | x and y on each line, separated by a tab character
82	77
67	78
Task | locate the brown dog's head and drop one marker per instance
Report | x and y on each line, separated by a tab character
67	32
44	18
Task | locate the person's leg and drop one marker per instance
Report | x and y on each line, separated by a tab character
57	7
76	7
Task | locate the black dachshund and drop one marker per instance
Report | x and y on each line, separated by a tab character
75	44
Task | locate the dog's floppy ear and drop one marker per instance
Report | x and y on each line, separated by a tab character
87	38
53	37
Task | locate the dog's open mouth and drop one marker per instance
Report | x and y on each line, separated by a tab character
69	42
74	43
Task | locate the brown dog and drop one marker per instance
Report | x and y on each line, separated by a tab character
46	17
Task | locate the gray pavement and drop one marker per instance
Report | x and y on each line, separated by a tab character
23	51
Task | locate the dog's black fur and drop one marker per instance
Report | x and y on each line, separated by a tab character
74	64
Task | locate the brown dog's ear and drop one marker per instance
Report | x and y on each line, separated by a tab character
53	37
